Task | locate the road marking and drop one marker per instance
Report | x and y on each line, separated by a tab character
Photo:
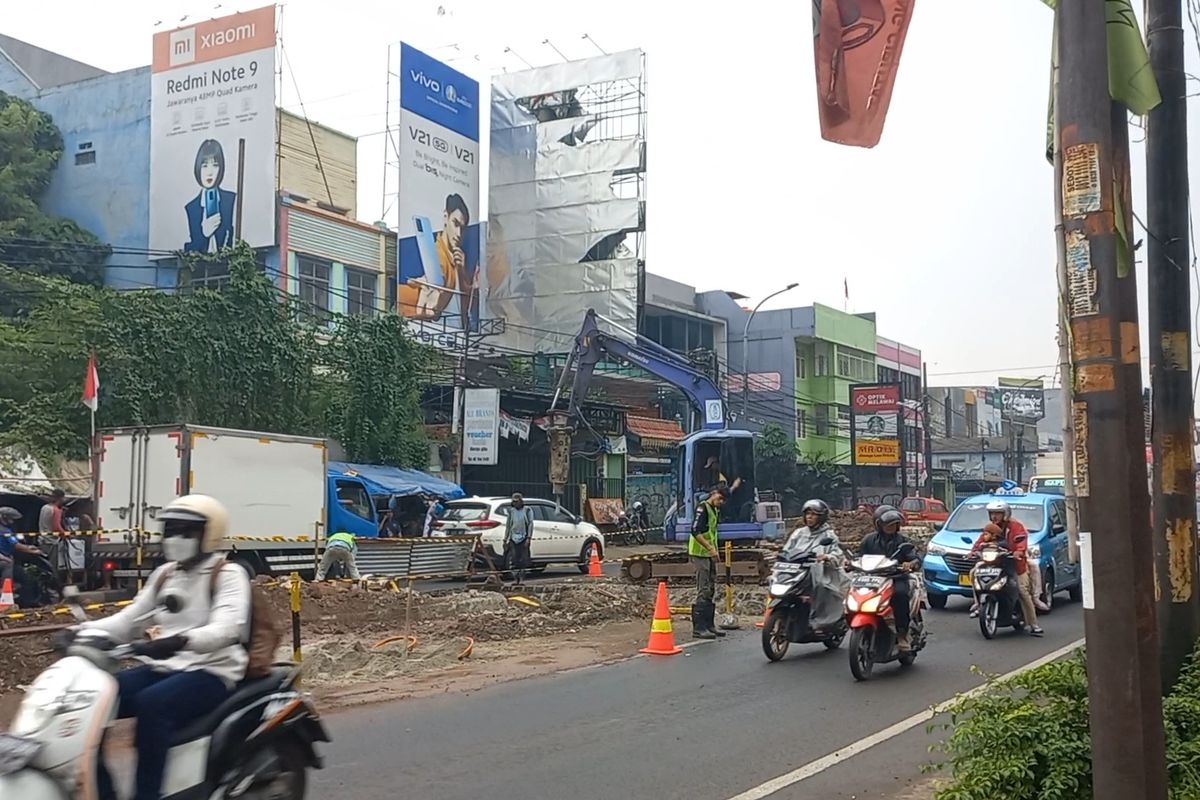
838	756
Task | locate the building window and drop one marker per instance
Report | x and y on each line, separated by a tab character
802	424
85	158
821	420
801	368
314	287
822	366
855	365
360	293
843	421
210	275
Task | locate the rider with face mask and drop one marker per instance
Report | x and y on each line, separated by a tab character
886	541
198	656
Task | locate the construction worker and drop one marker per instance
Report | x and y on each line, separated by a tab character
339	549
703	554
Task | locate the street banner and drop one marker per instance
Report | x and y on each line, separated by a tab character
481	426
212	134
875	418
857	45
1022	400
439	225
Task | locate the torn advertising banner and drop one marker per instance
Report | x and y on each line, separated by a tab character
857	45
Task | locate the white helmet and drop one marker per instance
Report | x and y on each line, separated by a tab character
999	506
200	509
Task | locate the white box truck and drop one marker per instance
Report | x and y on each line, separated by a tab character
273	485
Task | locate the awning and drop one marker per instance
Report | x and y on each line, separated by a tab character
654	432
384	480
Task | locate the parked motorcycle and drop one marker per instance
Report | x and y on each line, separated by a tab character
992	578
259	743
790	607
871	618
632	524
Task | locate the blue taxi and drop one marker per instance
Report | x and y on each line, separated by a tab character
948	562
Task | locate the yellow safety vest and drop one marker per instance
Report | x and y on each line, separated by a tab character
694	546
343	539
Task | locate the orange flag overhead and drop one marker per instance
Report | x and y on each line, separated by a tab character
857	47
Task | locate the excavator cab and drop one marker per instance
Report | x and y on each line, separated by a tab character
709	458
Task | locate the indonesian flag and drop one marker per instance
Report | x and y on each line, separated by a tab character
91	385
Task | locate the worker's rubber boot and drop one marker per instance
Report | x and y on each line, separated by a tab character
710	615
699	623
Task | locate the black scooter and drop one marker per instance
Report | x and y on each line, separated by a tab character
35	582
789	610
994	579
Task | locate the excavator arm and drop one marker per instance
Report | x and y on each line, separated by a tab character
593	345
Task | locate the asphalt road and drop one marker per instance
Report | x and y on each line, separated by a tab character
709	724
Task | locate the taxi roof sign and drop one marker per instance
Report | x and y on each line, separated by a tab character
1009	489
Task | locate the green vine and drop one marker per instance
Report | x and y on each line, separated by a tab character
242	357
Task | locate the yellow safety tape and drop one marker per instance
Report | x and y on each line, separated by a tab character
61	610
516	598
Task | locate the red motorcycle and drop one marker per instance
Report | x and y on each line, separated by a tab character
870	616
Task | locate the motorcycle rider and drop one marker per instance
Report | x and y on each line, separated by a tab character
1015	537
10	545
829	580
198	655
885	541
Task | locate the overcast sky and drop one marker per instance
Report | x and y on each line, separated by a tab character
945	229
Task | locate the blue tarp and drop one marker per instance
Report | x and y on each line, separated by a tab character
382	480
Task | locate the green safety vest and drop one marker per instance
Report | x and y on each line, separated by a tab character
344	538
694	546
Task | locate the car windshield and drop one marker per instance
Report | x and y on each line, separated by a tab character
465	513
973	516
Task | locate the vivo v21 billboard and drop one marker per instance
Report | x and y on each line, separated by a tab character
439	242
212	134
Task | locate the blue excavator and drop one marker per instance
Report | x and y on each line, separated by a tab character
746	520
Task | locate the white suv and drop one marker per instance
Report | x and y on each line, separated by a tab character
559	537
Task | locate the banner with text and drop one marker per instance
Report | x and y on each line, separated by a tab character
212	134
481	426
439	241
875	413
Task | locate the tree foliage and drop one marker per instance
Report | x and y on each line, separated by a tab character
240	358
1027	738
780	468
30	239
374	373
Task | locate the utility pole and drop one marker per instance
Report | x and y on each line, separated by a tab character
1128	758
926	428
1171	342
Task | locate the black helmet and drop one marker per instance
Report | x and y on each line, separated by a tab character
818	507
885	516
881	510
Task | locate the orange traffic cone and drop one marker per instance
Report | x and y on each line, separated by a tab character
662	639
594	570
6	595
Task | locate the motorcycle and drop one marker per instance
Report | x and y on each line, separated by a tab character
38	585
998	605
871	618
632	524
788	611
259	743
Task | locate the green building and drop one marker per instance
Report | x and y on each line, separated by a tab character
836	352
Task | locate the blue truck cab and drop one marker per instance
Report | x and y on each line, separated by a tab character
948	562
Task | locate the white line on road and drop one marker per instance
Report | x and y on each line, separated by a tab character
838	756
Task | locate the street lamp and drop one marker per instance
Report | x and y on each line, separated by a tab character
745	347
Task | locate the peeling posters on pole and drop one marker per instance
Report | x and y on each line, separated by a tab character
857	45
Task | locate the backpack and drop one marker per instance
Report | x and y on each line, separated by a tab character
264	633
